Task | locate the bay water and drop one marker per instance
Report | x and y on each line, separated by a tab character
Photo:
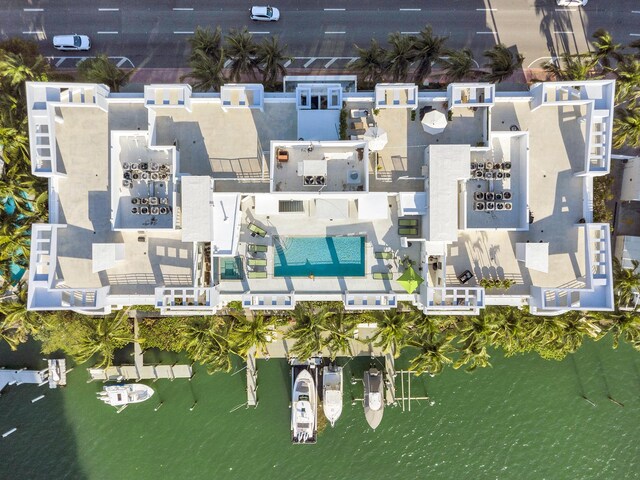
524	418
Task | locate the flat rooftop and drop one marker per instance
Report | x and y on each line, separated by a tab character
513	183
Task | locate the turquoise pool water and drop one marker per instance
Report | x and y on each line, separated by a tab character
319	256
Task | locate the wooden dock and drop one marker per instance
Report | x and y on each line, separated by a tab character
18	377
390	379
139	371
252	379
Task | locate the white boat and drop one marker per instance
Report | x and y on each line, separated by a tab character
373	397
122	395
332	393
303	408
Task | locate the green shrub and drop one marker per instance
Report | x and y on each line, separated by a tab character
343	123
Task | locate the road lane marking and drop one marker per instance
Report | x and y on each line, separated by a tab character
561	32
287	63
328	64
33	9
183	9
635	11
566	10
635	34
409	33
410	9
310	62
486	9
33	32
334	9
107	33
108	9
259	33
485	33
182	33
334	33
122	62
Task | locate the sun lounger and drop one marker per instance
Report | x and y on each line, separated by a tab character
257	230
384	255
382	276
257	248
408	222
257	274
408	231
257	262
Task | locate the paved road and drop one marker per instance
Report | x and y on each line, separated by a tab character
153	33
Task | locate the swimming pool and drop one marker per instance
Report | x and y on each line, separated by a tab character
319	256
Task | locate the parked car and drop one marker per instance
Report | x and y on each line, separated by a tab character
572	3
265	14
72	42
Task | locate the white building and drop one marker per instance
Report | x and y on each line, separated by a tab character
189	201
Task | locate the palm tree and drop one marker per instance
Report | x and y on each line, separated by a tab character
340	328
16	322
458	64
428	48
626	282
102	337
206	41
606	48
627	326
207	342
628	80
206	71
308	329
393	330
101	70
434	346
255	332
502	62
626	127
572	67
15	70
400	55
241	51
271	57
371	62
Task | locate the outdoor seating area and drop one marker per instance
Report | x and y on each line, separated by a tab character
256	262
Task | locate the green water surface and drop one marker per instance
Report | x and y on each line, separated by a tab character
525	418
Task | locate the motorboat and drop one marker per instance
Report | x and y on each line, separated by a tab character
122	395
303	408
332	393
373	397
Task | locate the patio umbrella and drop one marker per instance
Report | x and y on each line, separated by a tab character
410	280
434	122
376	137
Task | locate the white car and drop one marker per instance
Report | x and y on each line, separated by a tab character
572	3
72	42
265	14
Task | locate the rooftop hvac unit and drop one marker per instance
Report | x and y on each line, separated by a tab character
489	196
490	206
499	206
144	210
506	195
478	196
478	206
508	205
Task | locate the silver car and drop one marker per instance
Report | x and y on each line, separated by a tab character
264	14
72	42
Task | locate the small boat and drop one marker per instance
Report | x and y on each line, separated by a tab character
303	409
125	394
373	397
332	393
